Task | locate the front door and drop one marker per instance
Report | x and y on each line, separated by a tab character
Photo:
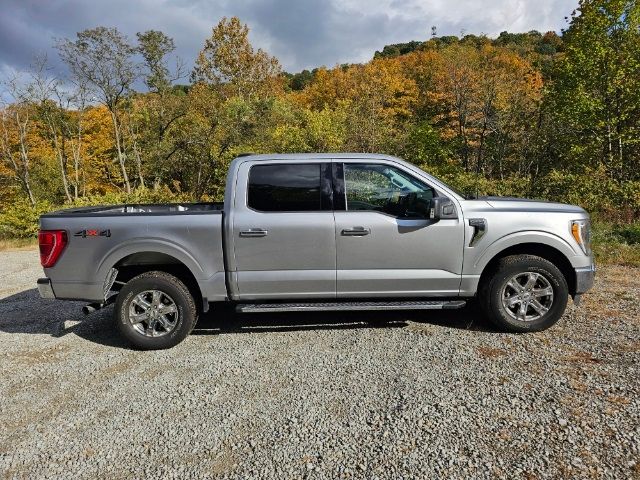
284	232
386	244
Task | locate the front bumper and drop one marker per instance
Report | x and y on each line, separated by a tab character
585	277
45	289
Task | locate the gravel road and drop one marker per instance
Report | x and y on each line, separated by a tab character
357	395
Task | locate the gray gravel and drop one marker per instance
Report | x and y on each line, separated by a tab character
395	395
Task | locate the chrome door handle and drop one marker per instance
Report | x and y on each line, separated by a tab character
356	232
253	233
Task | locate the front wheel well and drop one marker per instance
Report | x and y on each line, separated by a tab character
541	250
141	262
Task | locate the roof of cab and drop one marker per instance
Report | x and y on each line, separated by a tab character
314	156
336	156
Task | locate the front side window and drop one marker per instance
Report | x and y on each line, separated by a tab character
285	188
386	189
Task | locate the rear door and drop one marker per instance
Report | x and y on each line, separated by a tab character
284	231
386	244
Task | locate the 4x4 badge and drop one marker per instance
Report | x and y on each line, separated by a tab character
92	233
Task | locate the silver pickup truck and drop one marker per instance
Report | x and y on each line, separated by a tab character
318	232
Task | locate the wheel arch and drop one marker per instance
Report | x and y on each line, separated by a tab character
542	250
130	262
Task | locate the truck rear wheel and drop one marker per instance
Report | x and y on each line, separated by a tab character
155	310
524	293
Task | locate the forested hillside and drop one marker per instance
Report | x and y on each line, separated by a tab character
535	114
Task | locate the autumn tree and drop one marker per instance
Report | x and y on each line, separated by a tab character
51	103
99	174
103	59
14	121
456	85
508	99
381	99
228	59
17	125
377	98
76	98
228	107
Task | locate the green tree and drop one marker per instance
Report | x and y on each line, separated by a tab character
153	115
596	95
155	46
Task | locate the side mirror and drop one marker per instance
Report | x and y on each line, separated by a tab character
442	207
413	206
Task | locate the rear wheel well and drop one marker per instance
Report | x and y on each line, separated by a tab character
540	250
141	262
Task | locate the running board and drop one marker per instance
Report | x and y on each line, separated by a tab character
349	306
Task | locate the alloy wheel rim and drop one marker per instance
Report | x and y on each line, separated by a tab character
153	313
527	296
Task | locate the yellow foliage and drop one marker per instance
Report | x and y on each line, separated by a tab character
99	171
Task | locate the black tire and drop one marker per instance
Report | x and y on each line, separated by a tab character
492	291
174	292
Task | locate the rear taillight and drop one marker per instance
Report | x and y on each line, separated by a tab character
52	243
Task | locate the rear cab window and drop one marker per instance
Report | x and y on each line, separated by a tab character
291	187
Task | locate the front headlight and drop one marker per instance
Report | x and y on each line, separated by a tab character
581	231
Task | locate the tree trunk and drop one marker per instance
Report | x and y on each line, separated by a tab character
25	176
21	169
609	162
24	157
121	159
136	153
76	149
138	163
61	158
480	148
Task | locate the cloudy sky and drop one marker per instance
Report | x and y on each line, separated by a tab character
301	33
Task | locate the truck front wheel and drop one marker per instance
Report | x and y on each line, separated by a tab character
524	293
155	310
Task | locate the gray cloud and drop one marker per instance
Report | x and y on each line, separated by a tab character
301	33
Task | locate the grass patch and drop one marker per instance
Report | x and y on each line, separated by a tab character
616	244
18	243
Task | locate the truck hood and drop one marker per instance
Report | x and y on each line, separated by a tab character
511	204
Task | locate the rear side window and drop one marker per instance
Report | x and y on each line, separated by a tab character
285	188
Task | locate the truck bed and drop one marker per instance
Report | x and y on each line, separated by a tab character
140	209
105	237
